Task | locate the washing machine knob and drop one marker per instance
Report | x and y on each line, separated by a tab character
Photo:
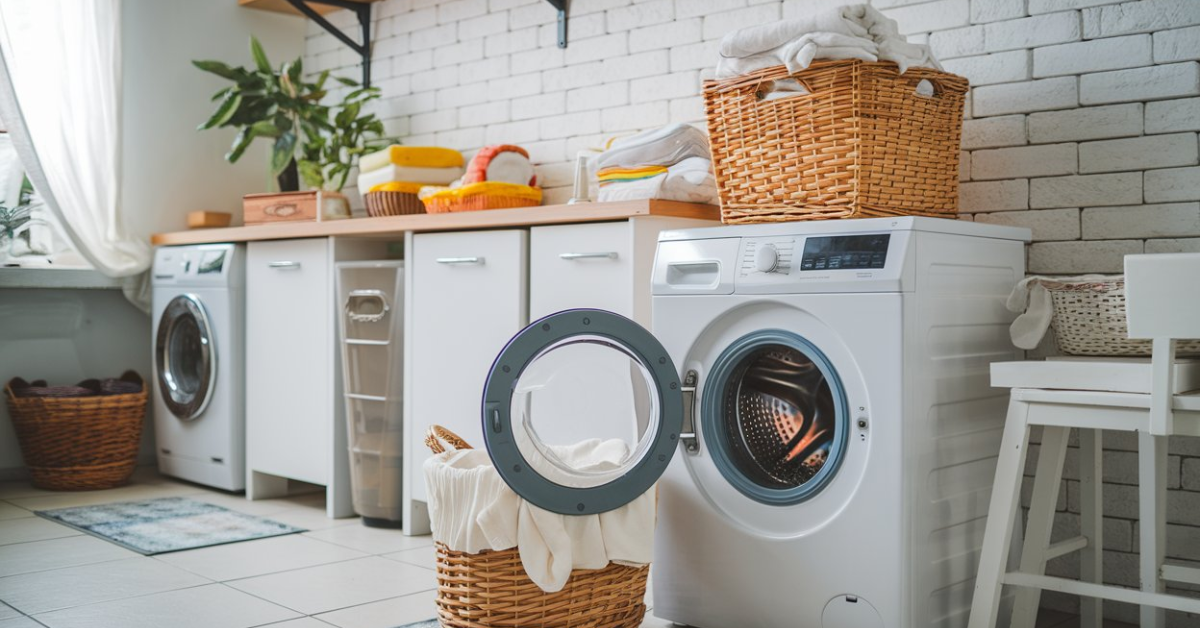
767	258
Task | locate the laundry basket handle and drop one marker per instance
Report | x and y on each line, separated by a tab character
436	435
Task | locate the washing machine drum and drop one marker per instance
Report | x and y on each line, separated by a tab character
582	412
185	358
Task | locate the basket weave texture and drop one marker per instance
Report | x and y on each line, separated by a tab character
393	204
79	443
1089	319
490	589
861	143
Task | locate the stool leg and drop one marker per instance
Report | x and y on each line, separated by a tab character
1046	483
1091	522
1006	499
1152	507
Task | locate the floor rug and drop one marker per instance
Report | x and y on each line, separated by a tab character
428	623
168	524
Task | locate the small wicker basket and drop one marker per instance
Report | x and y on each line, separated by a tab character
482	196
491	589
79	443
862	142
393	204
1089	319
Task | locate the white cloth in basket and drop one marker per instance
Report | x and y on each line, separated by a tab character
856	31
1031	300
471	509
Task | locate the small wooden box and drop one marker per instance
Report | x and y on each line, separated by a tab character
208	220
309	206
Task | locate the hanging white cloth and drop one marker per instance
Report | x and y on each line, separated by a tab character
60	86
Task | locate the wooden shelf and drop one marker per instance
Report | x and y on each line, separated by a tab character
394	226
281	6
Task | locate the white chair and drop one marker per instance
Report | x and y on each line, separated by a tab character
1162	304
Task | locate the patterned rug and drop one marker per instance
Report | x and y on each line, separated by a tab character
168	524
428	623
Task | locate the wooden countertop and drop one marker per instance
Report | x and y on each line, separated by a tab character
392	226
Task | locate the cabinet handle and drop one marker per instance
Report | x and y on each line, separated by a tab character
598	255
460	260
284	265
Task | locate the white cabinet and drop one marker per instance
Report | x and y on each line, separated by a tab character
294	415
588	265
466	298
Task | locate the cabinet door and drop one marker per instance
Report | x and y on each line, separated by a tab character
588	265
289	359
468	299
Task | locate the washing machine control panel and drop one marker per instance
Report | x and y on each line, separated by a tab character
850	252
767	255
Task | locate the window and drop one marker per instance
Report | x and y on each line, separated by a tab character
30	235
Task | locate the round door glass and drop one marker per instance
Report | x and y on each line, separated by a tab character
776	417
582	411
185	360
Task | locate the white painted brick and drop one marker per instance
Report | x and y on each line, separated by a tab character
1032	32
484	114
561	79
1115	53
547	151
1123	188
388	47
887	4
598	97
931	16
556	175
1166	116
1173	245
1002	67
1052	6
553	127
664	87
687	109
700	8
440	120
1024	161
495	6
512	41
459	96
1181	44
409	105
537	60
964	166
1152	83
960	42
1174	184
584	7
521	132
996	10
415	21
694	56
1085	123
556	196
1141	221
1046	224
514	87
716	25
1140	17
581	27
634	117
433	37
539	106
483	26
481	71
642	13
793	9
667	35
395	86
461	139
1040	95
435	80
993	132
393	7
635	66
532	15
460	10
1102	256
990	196
1139	153
597	48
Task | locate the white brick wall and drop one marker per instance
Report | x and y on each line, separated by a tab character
1082	124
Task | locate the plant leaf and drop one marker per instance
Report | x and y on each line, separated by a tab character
260	57
347	82
283	152
311	173
224	111
240	142
266	128
216	67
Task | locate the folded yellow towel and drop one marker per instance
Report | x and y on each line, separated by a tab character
411	156
398	186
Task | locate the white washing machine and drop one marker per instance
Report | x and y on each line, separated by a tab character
199	323
814	403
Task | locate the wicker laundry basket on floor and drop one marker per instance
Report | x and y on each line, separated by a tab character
863	141
490	589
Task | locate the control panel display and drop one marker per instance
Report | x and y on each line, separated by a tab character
845	252
212	262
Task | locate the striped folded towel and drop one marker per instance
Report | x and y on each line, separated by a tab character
612	175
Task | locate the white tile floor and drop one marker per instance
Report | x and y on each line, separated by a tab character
340	573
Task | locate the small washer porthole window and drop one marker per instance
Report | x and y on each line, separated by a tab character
775	416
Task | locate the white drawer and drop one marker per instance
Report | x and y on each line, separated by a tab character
588	265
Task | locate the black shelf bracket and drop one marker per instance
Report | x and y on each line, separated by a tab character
363	11
562	6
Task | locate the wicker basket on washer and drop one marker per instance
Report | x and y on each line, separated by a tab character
862	142
1089	319
491	589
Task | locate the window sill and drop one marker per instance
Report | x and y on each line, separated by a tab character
58	278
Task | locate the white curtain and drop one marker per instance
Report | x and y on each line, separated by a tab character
60	90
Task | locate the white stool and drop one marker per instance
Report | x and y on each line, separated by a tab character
1162	304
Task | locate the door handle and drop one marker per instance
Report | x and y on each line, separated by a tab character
284	265
597	255
460	260
688	434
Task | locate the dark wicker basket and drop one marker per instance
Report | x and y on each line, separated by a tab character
79	443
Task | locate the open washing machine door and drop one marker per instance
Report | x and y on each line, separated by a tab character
582	412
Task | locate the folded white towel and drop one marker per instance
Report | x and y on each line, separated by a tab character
664	146
689	181
391	172
849	32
